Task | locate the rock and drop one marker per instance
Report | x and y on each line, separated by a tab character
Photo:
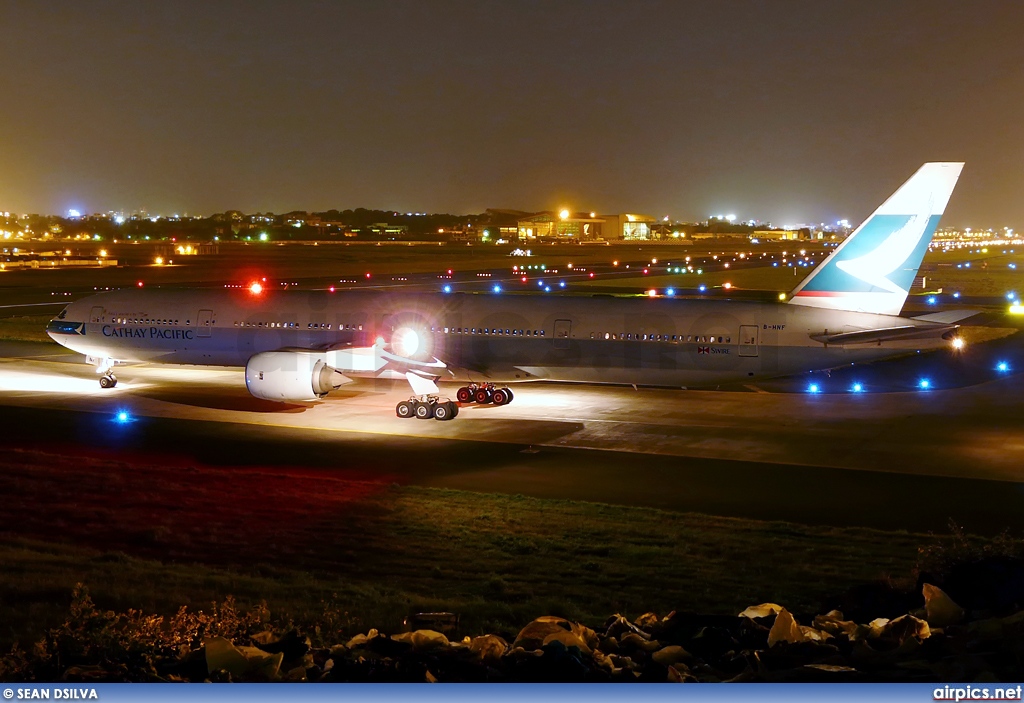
671	655
488	648
241	662
761	611
940	609
422	640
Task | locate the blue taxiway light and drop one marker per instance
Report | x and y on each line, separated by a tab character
857	388
561	284
956	295
670	291
702	287
813	388
1002	366
497	288
932	300
122	417
447	289
1011	295
924	384
547	289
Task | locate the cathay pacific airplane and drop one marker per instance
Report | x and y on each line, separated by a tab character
298	346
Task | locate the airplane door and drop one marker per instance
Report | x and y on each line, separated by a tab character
204	323
563	330
97	314
748	340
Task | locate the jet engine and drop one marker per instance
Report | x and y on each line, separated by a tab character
291	376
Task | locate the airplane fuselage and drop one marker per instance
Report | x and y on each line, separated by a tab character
599	339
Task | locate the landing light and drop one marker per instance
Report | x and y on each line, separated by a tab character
958	343
406	341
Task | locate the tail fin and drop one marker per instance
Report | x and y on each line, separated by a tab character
873	270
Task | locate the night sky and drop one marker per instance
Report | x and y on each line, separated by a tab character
788	111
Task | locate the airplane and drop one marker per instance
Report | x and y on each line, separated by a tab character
298	346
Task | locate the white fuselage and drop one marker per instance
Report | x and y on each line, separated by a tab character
644	341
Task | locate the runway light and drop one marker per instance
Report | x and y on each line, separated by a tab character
139	284
652	293
1017	309
591	274
523	279
727	286
447	289
331	289
924	384
1002	367
255	288
813	388
857	388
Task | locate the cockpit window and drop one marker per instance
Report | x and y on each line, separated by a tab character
63	314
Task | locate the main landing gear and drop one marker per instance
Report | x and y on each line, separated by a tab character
485	393
424	407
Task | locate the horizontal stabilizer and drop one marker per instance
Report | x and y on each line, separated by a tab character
948	317
884	334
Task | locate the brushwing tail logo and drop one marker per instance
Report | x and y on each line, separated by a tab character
875	267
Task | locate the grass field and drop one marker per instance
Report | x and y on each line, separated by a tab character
145	535
29	328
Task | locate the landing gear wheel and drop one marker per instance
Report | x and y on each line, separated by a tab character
108	381
404	409
464	395
445	411
482	396
500	396
424	411
511	395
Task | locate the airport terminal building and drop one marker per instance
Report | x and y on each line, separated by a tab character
585	227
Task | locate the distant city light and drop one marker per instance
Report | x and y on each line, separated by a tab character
119	219
263	236
74	213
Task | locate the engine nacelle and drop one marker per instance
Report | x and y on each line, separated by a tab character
287	376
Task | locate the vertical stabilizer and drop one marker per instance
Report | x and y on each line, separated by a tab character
874	268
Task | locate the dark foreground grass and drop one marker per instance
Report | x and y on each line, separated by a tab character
367	554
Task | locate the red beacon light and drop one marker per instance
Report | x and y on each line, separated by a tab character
255	288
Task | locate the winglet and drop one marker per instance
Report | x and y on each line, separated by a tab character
874	268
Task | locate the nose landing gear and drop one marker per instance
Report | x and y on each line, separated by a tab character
108	380
484	394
